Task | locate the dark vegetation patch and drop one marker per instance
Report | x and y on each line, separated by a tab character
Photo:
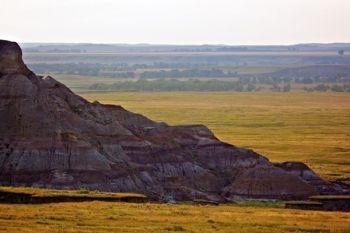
21	195
322	202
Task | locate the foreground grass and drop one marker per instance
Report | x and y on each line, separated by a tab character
310	127
126	217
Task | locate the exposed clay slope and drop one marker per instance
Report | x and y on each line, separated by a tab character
50	137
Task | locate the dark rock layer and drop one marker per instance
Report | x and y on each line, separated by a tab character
50	137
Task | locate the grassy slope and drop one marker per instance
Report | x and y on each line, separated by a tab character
309	127
126	217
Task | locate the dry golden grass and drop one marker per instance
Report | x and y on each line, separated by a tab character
310	127
125	217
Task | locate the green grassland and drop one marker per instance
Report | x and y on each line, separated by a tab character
310	127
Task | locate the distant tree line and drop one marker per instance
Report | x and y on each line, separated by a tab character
123	70
325	87
299	80
171	85
209	85
188	85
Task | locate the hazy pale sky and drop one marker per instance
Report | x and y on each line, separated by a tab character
176	21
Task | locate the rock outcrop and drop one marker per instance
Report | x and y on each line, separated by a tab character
50	137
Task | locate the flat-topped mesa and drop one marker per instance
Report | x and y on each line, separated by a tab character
11	59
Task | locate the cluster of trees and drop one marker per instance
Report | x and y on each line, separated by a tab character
299	80
325	87
164	70
284	88
210	85
175	85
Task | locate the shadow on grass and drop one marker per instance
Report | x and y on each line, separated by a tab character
8	197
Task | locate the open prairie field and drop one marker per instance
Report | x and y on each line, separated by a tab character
127	217
310	127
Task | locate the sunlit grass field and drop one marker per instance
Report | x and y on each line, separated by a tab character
310	127
111	217
114	216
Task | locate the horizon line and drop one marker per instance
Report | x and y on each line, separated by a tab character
189	44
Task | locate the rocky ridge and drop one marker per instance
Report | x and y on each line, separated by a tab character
53	138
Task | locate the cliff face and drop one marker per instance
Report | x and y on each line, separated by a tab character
50	137
11	58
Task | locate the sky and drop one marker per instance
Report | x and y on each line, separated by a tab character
234	22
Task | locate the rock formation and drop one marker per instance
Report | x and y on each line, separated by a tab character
50	137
